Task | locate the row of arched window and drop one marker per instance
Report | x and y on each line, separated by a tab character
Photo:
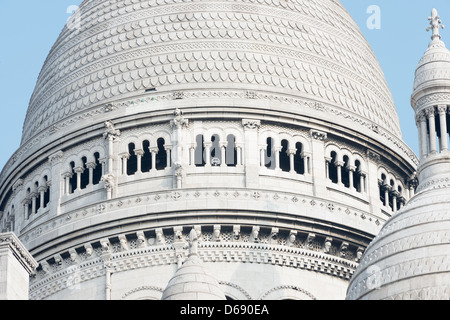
37	197
144	157
210	151
88	172
391	193
346	172
287	158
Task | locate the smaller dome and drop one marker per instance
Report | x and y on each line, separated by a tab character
192	281
433	69
409	259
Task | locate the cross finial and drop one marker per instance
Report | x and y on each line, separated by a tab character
436	24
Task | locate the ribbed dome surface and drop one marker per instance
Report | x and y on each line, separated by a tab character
434	67
192	281
409	260
309	49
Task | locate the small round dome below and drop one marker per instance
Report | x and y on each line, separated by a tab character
409	258
192	281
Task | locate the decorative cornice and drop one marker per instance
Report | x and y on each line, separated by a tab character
11	242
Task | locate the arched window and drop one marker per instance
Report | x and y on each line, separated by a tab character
299	163
400	198
345	172
284	156
84	175
46	193
269	158
332	168
199	151
216	152
29	206
230	151
161	156
382	185
38	196
146	164
391	195
98	170
73	179
132	161
357	177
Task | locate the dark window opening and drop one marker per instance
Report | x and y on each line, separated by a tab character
132	161
299	164
284	156
200	151
332	168
98	170
146	161
161	156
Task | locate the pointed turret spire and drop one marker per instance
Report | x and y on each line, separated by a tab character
436	24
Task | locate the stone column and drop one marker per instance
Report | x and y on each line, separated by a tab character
362	181
124	159
168	149
179	153
154	152
423	140
319	177
91	166
291	153
139	153
26	213
443	124
33	196
192	155
395	196
67	176
223	162
351	172
252	163
387	189
78	171
306	159
262	156
111	135
207	155
239	148
372	185
327	167
277	151
432	126
57	181
339	165
41	191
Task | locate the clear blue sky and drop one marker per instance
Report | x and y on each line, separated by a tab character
28	29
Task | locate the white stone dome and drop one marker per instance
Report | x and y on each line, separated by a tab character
433	69
300	49
409	260
192	281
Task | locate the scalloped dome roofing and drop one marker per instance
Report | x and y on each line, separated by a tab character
434	67
310	49
192	281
